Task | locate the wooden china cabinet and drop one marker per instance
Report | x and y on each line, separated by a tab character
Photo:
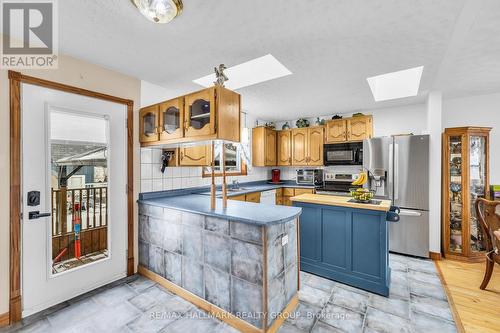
465	178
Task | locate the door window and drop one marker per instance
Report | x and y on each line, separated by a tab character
79	189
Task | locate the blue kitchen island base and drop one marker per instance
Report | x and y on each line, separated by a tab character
345	244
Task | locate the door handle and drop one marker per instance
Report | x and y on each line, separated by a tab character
404	212
36	215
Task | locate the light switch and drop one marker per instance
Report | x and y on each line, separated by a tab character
284	240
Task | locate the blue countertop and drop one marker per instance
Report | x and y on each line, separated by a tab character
245	189
241	211
197	200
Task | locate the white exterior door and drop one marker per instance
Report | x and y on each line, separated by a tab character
62	133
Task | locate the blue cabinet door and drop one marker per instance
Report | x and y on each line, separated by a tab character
310	234
336	238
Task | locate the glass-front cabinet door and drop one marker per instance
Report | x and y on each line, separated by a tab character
148	124
477	188
455	194
171	119
199	111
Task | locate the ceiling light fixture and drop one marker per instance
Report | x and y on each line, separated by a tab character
248	73
395	85
159	11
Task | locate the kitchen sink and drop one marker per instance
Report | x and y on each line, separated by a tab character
240	189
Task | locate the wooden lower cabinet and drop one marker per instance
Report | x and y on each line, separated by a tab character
241	197
194	155
289	192
283	195
249	197
253	197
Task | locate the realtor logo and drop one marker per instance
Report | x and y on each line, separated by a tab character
30	34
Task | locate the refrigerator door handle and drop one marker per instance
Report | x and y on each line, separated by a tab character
391	170
414	213
396	171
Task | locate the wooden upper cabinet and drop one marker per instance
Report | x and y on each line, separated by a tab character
271	147
263	146
228	119
208	114
284	147
315	146
359	128
195	155
336	131
350	129
307	146
148	124
171	119
200	113
299	146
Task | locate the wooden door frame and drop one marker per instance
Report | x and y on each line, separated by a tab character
15	80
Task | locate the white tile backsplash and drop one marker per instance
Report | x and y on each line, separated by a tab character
185	177
156	172
146	155
146	171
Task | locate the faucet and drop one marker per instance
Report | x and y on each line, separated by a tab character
236	184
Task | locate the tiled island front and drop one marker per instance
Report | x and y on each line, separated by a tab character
245	273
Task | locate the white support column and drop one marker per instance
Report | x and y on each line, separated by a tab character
435	128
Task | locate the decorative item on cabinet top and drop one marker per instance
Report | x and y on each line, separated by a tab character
302	122
208	114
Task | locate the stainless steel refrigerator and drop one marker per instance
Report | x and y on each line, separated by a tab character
398	169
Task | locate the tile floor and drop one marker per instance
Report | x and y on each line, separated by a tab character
417	303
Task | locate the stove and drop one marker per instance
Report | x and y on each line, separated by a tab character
337	183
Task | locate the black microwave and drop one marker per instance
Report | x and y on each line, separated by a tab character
343	153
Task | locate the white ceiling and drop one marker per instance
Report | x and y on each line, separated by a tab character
331	46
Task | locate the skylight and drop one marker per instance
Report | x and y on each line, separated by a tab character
395	85
249	73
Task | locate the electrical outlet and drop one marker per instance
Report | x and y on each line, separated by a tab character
284	240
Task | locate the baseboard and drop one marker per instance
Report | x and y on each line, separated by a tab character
4	319
217	312
435	255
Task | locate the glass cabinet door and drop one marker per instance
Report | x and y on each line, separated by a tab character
148	124
477	187
171	119
200	113
455	197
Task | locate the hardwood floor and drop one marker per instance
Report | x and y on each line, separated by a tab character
478	310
